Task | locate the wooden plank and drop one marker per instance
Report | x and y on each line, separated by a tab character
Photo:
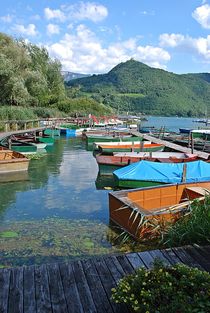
128	269
29	289
43	300
102	302
108	283
4	289
171	256
117	273
194	253
15	301
157	254
135	260
186	258
83	288
204	250
171	145
58	300
146	258
70	288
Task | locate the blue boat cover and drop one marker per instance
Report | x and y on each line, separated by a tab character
165	172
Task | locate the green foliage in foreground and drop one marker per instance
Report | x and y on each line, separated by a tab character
134	86
192	228
165	289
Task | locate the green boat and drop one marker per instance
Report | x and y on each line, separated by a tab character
201	134
48	140
22	147
52	132
147	173
91	139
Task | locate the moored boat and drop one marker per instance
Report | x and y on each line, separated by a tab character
12	161
146	173
145	212
138	146
109	163
29	139
19	146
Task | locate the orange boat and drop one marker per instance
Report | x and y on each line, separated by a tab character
144	212
109	163
109	148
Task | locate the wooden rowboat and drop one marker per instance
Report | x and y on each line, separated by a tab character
145	212
109	163
139	146
12	161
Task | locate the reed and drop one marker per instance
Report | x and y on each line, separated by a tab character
193	228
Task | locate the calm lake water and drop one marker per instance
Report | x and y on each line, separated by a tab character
56	212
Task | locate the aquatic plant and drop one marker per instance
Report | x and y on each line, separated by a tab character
165	289
193	228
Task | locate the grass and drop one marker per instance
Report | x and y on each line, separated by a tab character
194	228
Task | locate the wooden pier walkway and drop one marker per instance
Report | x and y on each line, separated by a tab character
83	286
173	146
22	131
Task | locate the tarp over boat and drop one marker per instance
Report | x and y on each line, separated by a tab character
165	172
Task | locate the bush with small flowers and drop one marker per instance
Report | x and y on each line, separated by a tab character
164	289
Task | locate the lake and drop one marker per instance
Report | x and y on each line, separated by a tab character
59	211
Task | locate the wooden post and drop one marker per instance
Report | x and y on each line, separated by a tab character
25	125
142	146
6	127
10	143
192	142
184	174
16	126
189	137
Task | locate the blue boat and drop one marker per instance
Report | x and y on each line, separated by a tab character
68	132
185	130
146	173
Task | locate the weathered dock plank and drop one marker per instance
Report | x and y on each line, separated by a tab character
29	290
173	146
4	289
83	286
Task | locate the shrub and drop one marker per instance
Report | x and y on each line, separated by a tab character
164	289
192	228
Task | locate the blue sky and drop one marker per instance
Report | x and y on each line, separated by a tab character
94	36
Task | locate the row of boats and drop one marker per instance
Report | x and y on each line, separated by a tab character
164	184
15	148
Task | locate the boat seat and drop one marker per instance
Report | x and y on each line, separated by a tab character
199	190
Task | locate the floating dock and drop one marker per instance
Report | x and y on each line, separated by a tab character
83	286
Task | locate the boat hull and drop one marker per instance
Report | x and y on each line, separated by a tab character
145	212
139	148
11	161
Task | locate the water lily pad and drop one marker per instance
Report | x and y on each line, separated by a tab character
9	234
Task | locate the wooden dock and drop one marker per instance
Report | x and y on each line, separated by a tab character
83	286
173	146
22	131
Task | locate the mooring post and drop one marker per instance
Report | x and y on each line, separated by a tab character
192	143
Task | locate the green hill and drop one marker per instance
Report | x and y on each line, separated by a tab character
134	86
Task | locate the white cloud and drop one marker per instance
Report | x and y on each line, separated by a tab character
29	30
202	15
199	47
88	11
52	29
83	52
54	14
7	18
78	12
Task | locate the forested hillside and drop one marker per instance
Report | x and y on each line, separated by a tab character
31	84
134	86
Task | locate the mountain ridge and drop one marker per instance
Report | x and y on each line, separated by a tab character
135	86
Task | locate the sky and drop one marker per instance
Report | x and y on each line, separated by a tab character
94	36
